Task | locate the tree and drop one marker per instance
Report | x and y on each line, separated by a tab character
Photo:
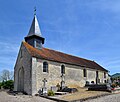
6	75
8	84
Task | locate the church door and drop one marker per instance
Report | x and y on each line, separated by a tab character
21	80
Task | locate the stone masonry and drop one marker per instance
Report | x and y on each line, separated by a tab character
23	61
73	74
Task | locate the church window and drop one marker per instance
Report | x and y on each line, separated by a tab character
104	74
45	67
97	74
84	72
62	69
105	81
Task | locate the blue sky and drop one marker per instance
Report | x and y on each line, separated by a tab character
85	28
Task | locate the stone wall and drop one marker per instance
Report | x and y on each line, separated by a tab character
23	61
73	74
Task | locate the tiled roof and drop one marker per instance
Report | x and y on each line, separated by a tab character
56	56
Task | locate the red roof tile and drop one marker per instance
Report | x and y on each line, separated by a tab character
53	55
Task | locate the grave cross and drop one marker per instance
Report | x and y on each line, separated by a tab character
62	81
44	87
44	82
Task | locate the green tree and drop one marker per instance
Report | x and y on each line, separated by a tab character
8	84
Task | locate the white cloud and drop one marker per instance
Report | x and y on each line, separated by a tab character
8	54
8	47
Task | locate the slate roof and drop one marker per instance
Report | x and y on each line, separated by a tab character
34	29
56	56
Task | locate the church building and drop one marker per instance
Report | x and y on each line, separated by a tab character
36	63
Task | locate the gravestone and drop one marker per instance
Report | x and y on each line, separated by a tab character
54	88
58	86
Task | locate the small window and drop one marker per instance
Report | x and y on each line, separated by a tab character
97	74
105	81
104	74
45	67
38	44
84	72
98	80
62	69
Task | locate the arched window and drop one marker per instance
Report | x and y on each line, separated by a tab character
84	72
62	69
97	74
104	74
45	67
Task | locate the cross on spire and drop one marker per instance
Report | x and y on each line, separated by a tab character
35	10
34	29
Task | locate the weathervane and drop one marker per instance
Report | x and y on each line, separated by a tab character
35	10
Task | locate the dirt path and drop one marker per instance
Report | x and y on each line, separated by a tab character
5	97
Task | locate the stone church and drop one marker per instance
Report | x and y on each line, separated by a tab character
36	63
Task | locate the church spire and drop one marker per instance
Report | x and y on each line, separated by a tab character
34	29
34	37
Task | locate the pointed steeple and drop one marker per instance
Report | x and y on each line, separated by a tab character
34	37
34	29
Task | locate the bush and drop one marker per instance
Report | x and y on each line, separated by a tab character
51	93
8	84
117	83
113	85
0	85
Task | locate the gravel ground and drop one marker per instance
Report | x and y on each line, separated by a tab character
109	98
5	97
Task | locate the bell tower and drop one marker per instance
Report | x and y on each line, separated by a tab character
34	37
